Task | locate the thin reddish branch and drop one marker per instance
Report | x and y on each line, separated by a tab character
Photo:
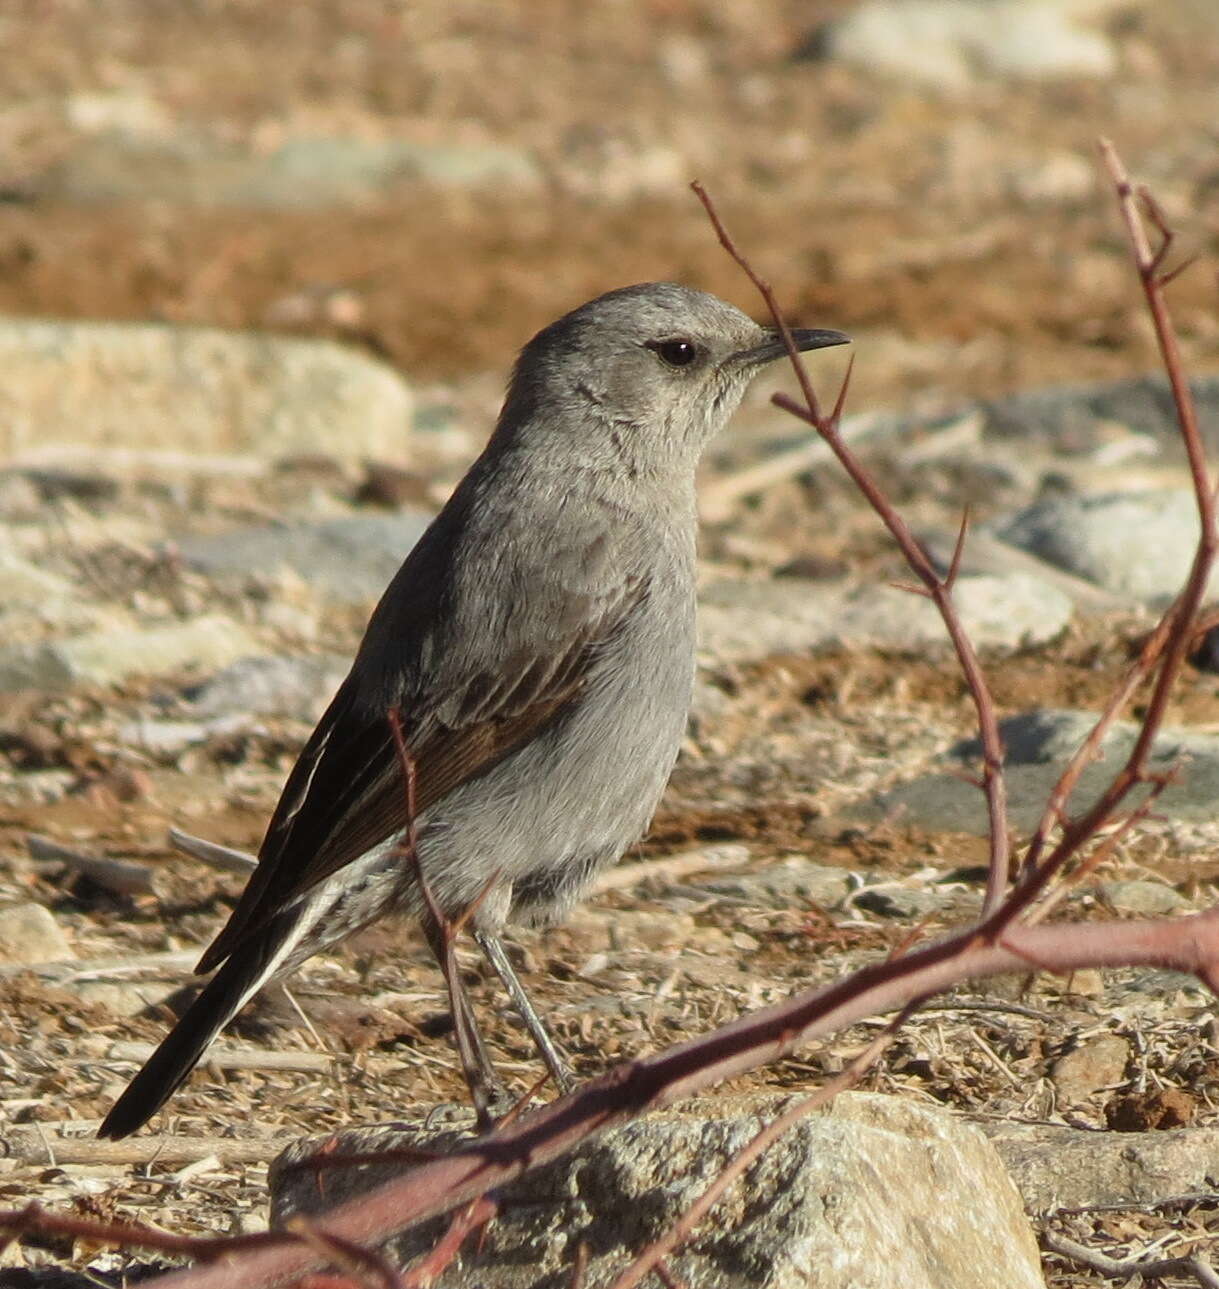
1169	644
938	589
364	1266
477	1213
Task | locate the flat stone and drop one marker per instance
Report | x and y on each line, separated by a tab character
1054	734
1073	417
298	687
1136	544
349	560
869	1192
944	802
29	933
1146	898
106	657
302	173
1095	1064
899	901
1057	1167
953	44
784	885
743	621
122	385
1039	744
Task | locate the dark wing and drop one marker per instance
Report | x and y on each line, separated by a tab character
347	791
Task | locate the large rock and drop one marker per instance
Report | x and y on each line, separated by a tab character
741	621
950	44
106	657
870	1192
142	385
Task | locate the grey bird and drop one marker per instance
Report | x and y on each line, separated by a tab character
538	643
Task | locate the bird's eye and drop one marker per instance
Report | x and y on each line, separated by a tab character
675	353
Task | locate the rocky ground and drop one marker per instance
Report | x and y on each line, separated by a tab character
194	524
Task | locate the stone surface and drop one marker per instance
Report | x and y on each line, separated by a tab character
944	802
28	933
1075	415
1139	545
105	657
1074	1167
1053	734
350	560
786	885
742	621
1148	899
298	687
872	1191
950	44
130	385
1039	744
302	173
1095	1064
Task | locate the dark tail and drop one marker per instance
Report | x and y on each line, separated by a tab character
241	976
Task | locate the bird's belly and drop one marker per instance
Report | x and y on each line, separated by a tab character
547	818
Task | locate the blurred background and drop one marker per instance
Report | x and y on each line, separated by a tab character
435	180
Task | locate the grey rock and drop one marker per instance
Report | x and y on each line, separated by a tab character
1139	545
167	738
1098	1063
1147	898
1052	734
298	687
951	44
945	803
870	1192
1073	415
1071	1167
891	901
1039	745
29	933
123	385
785	885
349	560
106	657
303	173
743	621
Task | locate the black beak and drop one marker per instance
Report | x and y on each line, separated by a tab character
773	346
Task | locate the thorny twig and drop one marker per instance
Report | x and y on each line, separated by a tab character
937	589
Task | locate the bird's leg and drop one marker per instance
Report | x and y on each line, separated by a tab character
487	1094
485	1088
493	947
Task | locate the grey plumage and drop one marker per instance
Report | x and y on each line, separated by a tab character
539	644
